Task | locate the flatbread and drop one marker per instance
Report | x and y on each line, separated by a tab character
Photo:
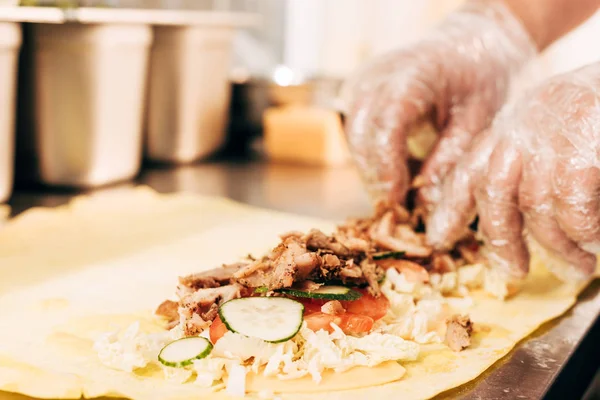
70	273
4	213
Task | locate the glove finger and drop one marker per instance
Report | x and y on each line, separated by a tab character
577	205
454	142
451	216
561	255
377	133
500	220
371	76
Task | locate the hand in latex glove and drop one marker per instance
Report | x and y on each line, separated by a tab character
537	168
459	76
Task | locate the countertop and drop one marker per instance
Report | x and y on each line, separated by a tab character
558	361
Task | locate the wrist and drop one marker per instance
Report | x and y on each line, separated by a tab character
496	32
548	20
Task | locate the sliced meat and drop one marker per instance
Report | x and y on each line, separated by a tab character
384	240
194	325
285	267
258	265
443	263
373	274
385	226
183	291
329	269
260	278
407	234
412	271
306	264
317	240
331	261
402	214
308	286
354	244
197	309
381	234
206	297
355	228
458	332
316	258
212	278
168	310
410	249
212	312
291	262
332	307
350	271
399	213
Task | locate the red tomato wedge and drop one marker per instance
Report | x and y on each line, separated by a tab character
348	322
369	305
358	318
411	270
311	305
217	330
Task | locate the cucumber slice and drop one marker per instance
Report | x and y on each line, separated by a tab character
329	292
389	254
184	351
272	319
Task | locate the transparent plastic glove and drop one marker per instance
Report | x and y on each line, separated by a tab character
537	171
457	77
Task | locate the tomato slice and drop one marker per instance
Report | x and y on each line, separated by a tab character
356	323
358	317
368	305
412	271
349	323
217	330
318	320
311	306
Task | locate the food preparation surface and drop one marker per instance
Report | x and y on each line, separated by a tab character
558	361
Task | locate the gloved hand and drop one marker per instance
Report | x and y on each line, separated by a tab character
537	170
458	76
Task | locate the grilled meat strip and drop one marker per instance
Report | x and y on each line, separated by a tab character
212	278
458	332
168	310
289	262
199	308
351	255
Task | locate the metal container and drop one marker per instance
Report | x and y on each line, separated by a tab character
254	95
10	41
89	97
189	92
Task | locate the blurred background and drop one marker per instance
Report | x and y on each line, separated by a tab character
202	95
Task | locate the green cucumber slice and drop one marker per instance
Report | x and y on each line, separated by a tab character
183	352
328	292
389	254
272	319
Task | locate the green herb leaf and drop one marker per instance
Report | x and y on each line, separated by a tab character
389	254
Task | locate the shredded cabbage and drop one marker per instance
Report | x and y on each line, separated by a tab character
416	315
130	349
236	384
